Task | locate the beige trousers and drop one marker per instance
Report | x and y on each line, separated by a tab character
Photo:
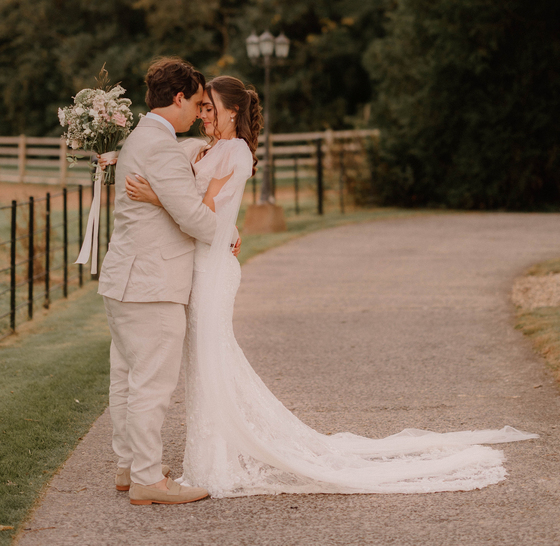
146	356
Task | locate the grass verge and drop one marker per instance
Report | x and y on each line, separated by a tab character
54	376
542	325
53	385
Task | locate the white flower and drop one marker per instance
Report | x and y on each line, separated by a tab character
82	95
99	103
95	119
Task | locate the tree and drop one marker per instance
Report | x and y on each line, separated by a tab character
323	84
468	94
50	49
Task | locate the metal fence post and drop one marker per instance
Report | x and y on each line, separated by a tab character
296	184
319	177
31	258
47	249
341	182
80	231
13	267
65	240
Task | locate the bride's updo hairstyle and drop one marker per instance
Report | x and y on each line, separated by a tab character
245	101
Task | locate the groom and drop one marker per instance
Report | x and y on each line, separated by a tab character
146	280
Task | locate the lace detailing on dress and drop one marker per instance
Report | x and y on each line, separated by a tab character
241	440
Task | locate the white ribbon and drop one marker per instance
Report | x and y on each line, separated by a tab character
92	231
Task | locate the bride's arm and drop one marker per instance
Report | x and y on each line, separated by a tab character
216	184
139	189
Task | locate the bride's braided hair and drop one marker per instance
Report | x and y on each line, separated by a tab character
245	100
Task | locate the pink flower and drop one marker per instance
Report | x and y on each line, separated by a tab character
119	119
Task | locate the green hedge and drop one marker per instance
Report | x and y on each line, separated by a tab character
468	97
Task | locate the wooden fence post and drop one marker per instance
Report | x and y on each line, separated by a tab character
63	162
21	158
329	141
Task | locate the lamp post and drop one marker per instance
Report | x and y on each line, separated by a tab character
266	46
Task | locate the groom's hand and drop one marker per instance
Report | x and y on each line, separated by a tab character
237	248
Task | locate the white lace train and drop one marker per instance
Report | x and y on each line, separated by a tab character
242	441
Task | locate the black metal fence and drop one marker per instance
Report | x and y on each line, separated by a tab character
39	242
318	177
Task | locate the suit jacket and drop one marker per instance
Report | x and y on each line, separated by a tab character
151	253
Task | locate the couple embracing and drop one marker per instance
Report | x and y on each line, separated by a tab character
169	282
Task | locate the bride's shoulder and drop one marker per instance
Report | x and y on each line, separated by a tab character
227	155
235	148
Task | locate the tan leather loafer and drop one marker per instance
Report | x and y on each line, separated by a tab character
122	479
176	494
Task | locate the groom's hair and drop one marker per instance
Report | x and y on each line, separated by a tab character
168	76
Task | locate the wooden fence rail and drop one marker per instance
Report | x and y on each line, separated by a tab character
43	159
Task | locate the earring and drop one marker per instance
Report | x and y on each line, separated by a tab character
232	119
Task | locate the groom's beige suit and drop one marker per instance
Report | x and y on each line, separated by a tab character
146	281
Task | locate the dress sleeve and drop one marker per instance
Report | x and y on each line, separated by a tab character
235	159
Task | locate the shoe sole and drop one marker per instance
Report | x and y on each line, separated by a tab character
127	487
146	502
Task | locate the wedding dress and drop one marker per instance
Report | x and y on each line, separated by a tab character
242	441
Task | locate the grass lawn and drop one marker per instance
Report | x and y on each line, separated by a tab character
53	385
542	325
54	375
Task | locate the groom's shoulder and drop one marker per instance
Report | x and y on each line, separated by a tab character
151	130
150	137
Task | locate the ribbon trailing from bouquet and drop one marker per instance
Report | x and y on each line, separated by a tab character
89	246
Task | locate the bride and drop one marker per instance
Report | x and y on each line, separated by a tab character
241	440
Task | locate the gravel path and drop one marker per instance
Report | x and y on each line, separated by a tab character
370	328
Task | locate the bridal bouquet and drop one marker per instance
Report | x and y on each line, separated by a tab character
97	121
